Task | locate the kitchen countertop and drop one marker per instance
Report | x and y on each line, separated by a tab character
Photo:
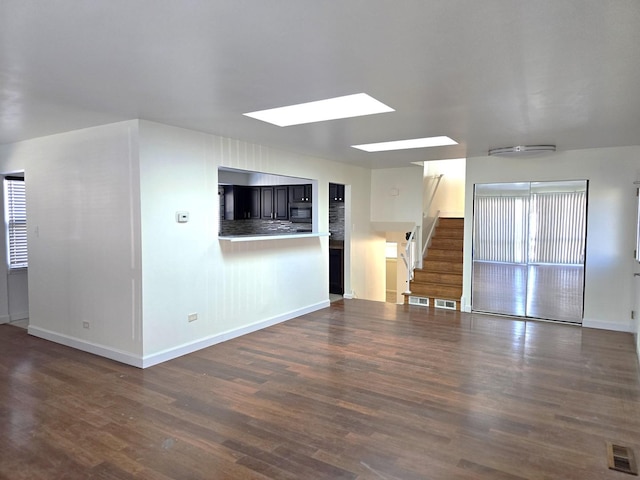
253	238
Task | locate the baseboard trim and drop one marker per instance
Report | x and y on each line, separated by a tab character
171	353
14	317
616	327
90	347
349	296
5	319
175	352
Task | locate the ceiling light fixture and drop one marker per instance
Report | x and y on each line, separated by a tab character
355	105
406	144
522	150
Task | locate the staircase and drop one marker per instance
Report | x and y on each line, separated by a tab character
440	278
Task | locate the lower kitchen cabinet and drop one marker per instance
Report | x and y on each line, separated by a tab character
336	270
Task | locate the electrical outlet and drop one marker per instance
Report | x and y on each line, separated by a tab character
192	317
85	325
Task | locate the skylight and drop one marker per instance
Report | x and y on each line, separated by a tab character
406	144
355	105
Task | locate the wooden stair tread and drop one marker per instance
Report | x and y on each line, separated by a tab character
445	278
441	274
447	243
441	266
438	254
437	290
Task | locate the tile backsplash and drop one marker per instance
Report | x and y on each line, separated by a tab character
336	221
256	226
261	227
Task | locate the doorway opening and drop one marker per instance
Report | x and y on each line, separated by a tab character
336	239
14	291
529	241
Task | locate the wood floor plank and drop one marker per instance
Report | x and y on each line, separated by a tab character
359	390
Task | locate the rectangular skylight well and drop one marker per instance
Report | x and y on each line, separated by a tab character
355	105
406	144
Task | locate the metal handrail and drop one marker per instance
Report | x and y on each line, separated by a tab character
427	205
409	254
425	243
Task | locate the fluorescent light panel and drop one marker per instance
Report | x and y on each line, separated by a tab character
406	144
355	105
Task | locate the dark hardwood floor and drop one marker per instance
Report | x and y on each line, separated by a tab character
360	390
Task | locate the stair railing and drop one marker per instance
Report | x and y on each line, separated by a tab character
409	256
430	187
426	241
428	201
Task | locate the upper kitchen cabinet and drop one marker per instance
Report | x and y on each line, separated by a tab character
275	205
300	193
336	193
241	203
254	202
233	203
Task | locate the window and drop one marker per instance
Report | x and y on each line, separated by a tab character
16	221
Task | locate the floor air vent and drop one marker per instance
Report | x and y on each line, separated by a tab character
422	301
448	304
621	459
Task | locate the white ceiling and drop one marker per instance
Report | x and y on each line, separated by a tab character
487	73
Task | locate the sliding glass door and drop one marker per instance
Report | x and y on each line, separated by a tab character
528	249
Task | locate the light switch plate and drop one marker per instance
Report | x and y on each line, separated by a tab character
182	217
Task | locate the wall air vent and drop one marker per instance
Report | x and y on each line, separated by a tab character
422	301
621	458
448	304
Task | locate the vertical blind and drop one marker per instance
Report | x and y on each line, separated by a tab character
557	224
540	228
16	217
500	229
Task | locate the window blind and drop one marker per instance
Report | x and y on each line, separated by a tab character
16	215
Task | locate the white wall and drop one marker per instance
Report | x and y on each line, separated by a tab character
396	207
18	294
610	223
105	248
449	197
235	287
83	237
396	195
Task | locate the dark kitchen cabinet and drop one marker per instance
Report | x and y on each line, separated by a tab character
254	202
336	271
275	204
228	202
336	193
281	207
300	193
241	203
267	203
234	202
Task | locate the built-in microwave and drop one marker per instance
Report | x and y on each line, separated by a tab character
300	212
